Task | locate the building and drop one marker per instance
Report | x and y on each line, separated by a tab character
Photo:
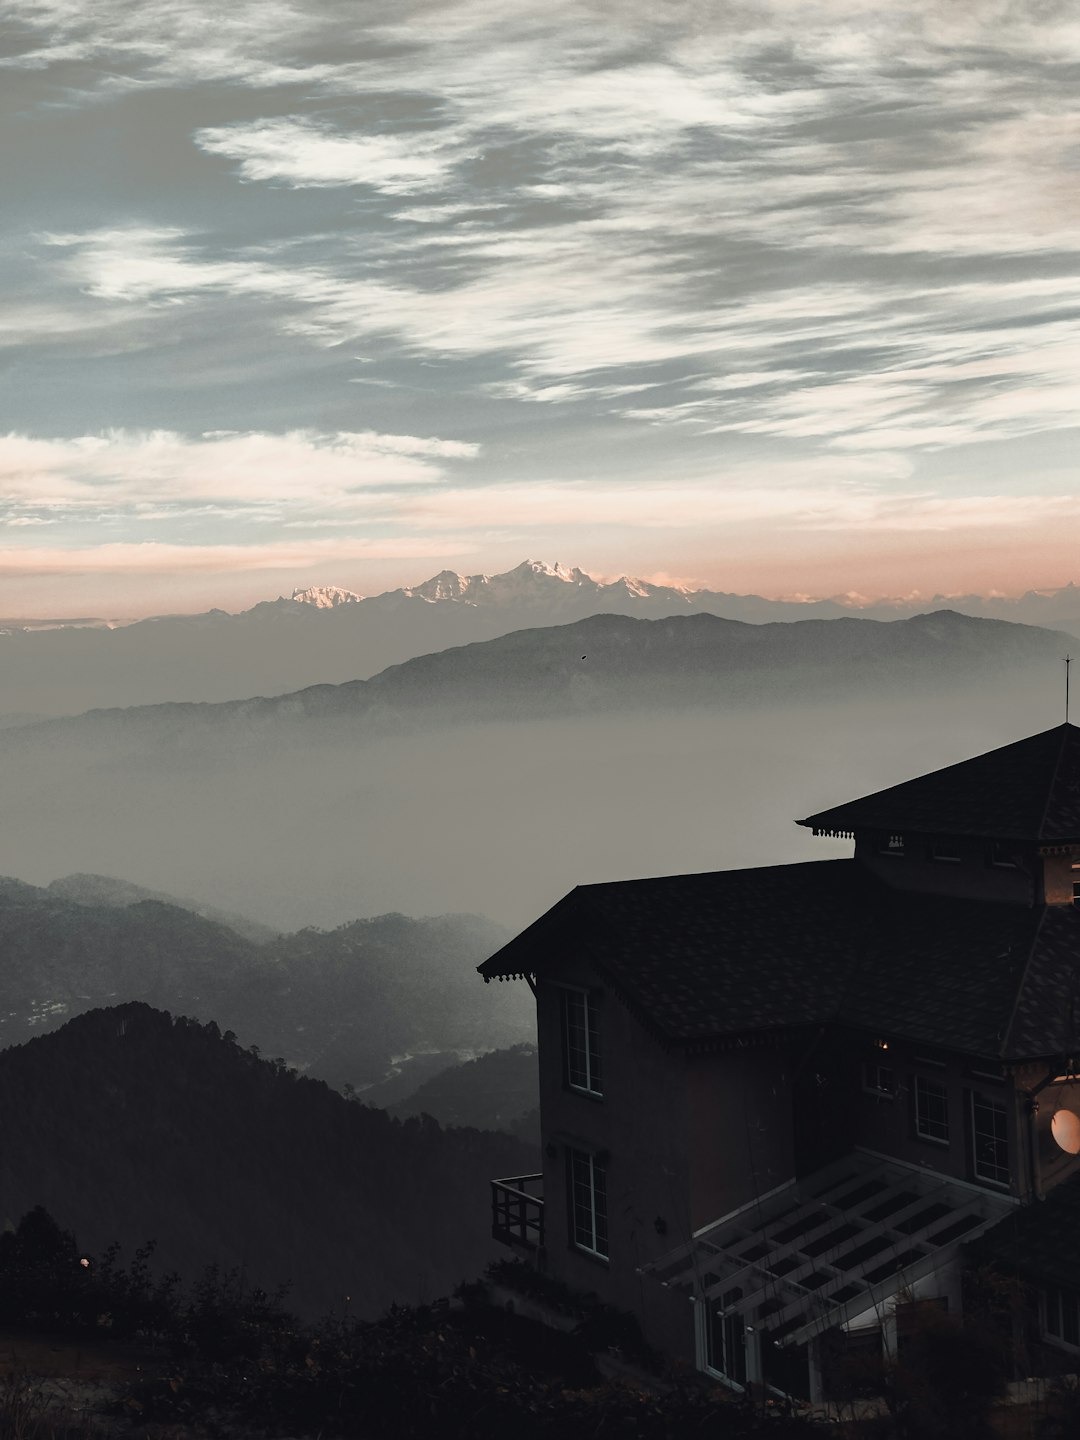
780	1106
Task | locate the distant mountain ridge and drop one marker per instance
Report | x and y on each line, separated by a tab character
538	583
339	1003
593	666
105	890
325	634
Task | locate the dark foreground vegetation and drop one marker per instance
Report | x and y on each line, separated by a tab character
126	1123
233	1361
224	1361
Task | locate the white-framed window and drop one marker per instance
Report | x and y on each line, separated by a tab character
879	1080
587	1182
989	1139
726	1339
581	1041
1062	1316
931	1110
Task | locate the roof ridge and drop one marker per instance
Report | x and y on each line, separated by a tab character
1053	779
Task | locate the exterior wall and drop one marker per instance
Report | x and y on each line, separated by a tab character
971	877
640	1125
888	1125
825	1093
741	1129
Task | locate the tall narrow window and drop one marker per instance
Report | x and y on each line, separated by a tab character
989	1140
931	1110
581	1041
588	1202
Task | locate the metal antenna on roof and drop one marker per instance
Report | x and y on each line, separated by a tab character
1068	662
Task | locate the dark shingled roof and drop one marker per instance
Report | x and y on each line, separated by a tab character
702	958
1038	1241
1029	790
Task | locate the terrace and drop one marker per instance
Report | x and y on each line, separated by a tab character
517	1211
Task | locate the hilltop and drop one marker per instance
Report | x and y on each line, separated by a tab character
128	1125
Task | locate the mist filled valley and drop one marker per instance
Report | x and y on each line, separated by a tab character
491	779
308	882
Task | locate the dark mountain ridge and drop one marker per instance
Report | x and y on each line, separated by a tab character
128	1125
595	665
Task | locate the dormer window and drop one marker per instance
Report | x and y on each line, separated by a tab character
946	852
1001	855
892	845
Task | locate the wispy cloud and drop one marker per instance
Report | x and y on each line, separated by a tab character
305	153
806	227
153	558
298	466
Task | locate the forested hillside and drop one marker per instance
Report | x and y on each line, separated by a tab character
128	1125
340	1003
106	890
493	1092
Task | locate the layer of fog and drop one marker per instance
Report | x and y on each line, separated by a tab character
498	819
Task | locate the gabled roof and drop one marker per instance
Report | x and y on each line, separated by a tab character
705	959
1029	791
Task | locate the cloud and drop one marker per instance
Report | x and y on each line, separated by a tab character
157	559
811	227
306	154
121	467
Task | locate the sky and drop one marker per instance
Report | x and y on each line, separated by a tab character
779	297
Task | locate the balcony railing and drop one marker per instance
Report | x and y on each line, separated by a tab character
517	1217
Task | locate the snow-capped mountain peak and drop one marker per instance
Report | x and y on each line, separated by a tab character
542	568
536	586
447	585
326	597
